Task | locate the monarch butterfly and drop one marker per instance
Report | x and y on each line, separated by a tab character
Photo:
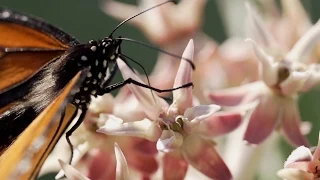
37	61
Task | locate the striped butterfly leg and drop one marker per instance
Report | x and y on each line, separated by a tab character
120	84
74	127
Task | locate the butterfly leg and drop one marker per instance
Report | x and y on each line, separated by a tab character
73	128
112	87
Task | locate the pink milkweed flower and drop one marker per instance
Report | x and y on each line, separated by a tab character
283	75
302	164
182	128
98	155
93	152
122	171
163	25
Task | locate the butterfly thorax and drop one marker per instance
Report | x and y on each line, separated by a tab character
98	57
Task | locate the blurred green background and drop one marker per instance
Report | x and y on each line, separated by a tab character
84	20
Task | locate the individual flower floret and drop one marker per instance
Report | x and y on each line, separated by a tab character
302	164
182	127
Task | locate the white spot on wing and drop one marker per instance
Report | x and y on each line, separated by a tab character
93	48
84	58
104	63
5	14
97	62
89	74
112	57
24	18
100	75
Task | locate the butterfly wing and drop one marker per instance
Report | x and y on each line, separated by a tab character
25	156
26	45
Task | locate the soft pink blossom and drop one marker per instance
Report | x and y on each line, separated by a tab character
178	127
283	76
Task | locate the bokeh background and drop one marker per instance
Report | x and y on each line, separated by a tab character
85	20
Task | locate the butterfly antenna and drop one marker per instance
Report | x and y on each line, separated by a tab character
158	49
128	19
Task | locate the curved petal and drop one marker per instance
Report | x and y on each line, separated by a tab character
298	16
196	9
300	154
235	95
129	110
220	123
144	129
201	154
193	116
151	103
100	164
174	166
301	50
291	124
169	141
122	171
302	165
259	29
294	83
294	174
269	68
240	51
70	172
226	99
263	120
183	96
147	165
144	146
314	78
201	112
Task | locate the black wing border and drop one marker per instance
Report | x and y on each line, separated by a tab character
12	16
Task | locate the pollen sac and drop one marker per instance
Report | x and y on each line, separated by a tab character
283	73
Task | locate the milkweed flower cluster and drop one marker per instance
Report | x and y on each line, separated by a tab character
253	82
